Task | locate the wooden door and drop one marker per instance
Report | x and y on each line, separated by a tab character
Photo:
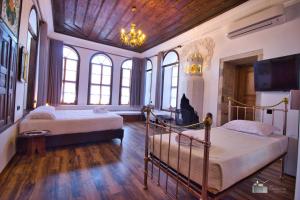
4	77
245	85
228	89
8	63
31	74
12	83
245	89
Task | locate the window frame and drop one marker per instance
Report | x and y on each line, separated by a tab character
64	76
163	76
90	78
151	80
30	29
34	36
121	78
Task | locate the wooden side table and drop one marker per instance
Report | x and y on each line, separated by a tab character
32	142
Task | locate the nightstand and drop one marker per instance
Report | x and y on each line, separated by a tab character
32	142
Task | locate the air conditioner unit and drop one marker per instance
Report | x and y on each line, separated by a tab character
264	19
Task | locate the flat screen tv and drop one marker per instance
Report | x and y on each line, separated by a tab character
277	74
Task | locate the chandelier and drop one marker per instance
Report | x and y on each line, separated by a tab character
134	37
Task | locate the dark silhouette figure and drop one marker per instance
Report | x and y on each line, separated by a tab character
188	114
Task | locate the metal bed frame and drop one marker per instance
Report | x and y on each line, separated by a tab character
200	191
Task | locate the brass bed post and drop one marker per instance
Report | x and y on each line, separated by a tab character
207	124
148	110
286	101
229	109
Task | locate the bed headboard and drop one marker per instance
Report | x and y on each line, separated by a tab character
239	110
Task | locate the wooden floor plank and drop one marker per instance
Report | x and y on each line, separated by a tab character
111	171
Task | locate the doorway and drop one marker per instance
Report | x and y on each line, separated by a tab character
237	82
31	74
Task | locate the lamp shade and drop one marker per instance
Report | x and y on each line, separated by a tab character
295	99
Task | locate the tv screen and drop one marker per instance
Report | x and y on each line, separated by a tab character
278	74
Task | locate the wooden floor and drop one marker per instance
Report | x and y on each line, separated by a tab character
109	171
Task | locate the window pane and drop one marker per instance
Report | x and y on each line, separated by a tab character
171	57
127	64
169	94
174	81
105	90
70	87
105	99
70	75
106	80
149	65
96	78
96	69
71	65
102	59
68	52
94	99
95	89
173	97
125	82
69	97
125	92
33	21
126	73
148	87
106	71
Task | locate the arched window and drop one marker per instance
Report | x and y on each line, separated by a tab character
148	82
31	87
125	82
100	79
70	75
170	80
33	22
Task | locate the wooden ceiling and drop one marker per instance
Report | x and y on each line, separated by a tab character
101	20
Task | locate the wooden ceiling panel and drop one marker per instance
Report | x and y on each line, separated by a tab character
101	20
81	9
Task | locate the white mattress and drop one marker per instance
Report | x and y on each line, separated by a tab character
233	155
74	121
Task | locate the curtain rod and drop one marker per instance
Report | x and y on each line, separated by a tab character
99	51
179	46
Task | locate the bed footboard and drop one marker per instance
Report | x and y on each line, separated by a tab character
164	128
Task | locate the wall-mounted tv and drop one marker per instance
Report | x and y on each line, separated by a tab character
277	74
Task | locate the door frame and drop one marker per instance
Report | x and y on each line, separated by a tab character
258	53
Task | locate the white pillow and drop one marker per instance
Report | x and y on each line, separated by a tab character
50	108
41	115
252	127
100	110
42	112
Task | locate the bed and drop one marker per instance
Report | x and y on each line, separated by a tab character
74	126
223	155
207	157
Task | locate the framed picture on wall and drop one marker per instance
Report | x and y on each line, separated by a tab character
10	13
23	65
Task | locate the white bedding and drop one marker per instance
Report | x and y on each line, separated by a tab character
74	121
233	155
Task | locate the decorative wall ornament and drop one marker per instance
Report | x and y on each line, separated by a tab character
197	55
10	13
